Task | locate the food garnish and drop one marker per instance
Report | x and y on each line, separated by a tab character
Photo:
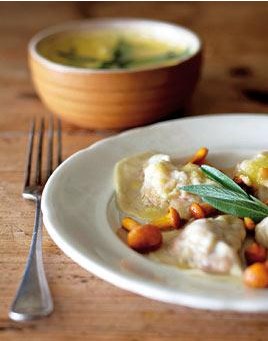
255	253
227	196
145	238
201	210
249	224
169	221
256	275
197	211
208	209
199	156
130	224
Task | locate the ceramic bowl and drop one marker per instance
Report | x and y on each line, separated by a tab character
116	98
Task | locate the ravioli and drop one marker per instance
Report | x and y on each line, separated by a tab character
148	184
128	178
254	172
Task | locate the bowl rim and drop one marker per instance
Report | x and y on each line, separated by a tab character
67	26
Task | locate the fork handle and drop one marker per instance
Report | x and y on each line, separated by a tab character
33	299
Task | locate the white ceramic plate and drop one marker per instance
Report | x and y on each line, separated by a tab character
81	216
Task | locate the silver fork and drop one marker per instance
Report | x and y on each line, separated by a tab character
33	299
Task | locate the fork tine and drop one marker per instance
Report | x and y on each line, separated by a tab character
29	155
50	147
59	143
38	173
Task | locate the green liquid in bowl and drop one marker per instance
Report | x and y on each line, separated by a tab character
109	50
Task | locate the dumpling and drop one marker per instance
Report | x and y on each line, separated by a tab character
210	245
147	184
261	232
254	172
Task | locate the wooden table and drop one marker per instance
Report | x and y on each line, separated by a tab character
235	79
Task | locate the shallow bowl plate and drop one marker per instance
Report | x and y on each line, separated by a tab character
80	213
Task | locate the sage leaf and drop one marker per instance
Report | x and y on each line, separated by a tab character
259	202
214	192
238	208
222	179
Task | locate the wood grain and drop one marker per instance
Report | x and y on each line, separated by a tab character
235	79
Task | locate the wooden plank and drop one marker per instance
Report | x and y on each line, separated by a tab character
234	79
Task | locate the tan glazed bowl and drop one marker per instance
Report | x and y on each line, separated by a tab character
116	99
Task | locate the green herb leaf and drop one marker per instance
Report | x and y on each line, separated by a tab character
222	179
214	192
238	208
259	202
